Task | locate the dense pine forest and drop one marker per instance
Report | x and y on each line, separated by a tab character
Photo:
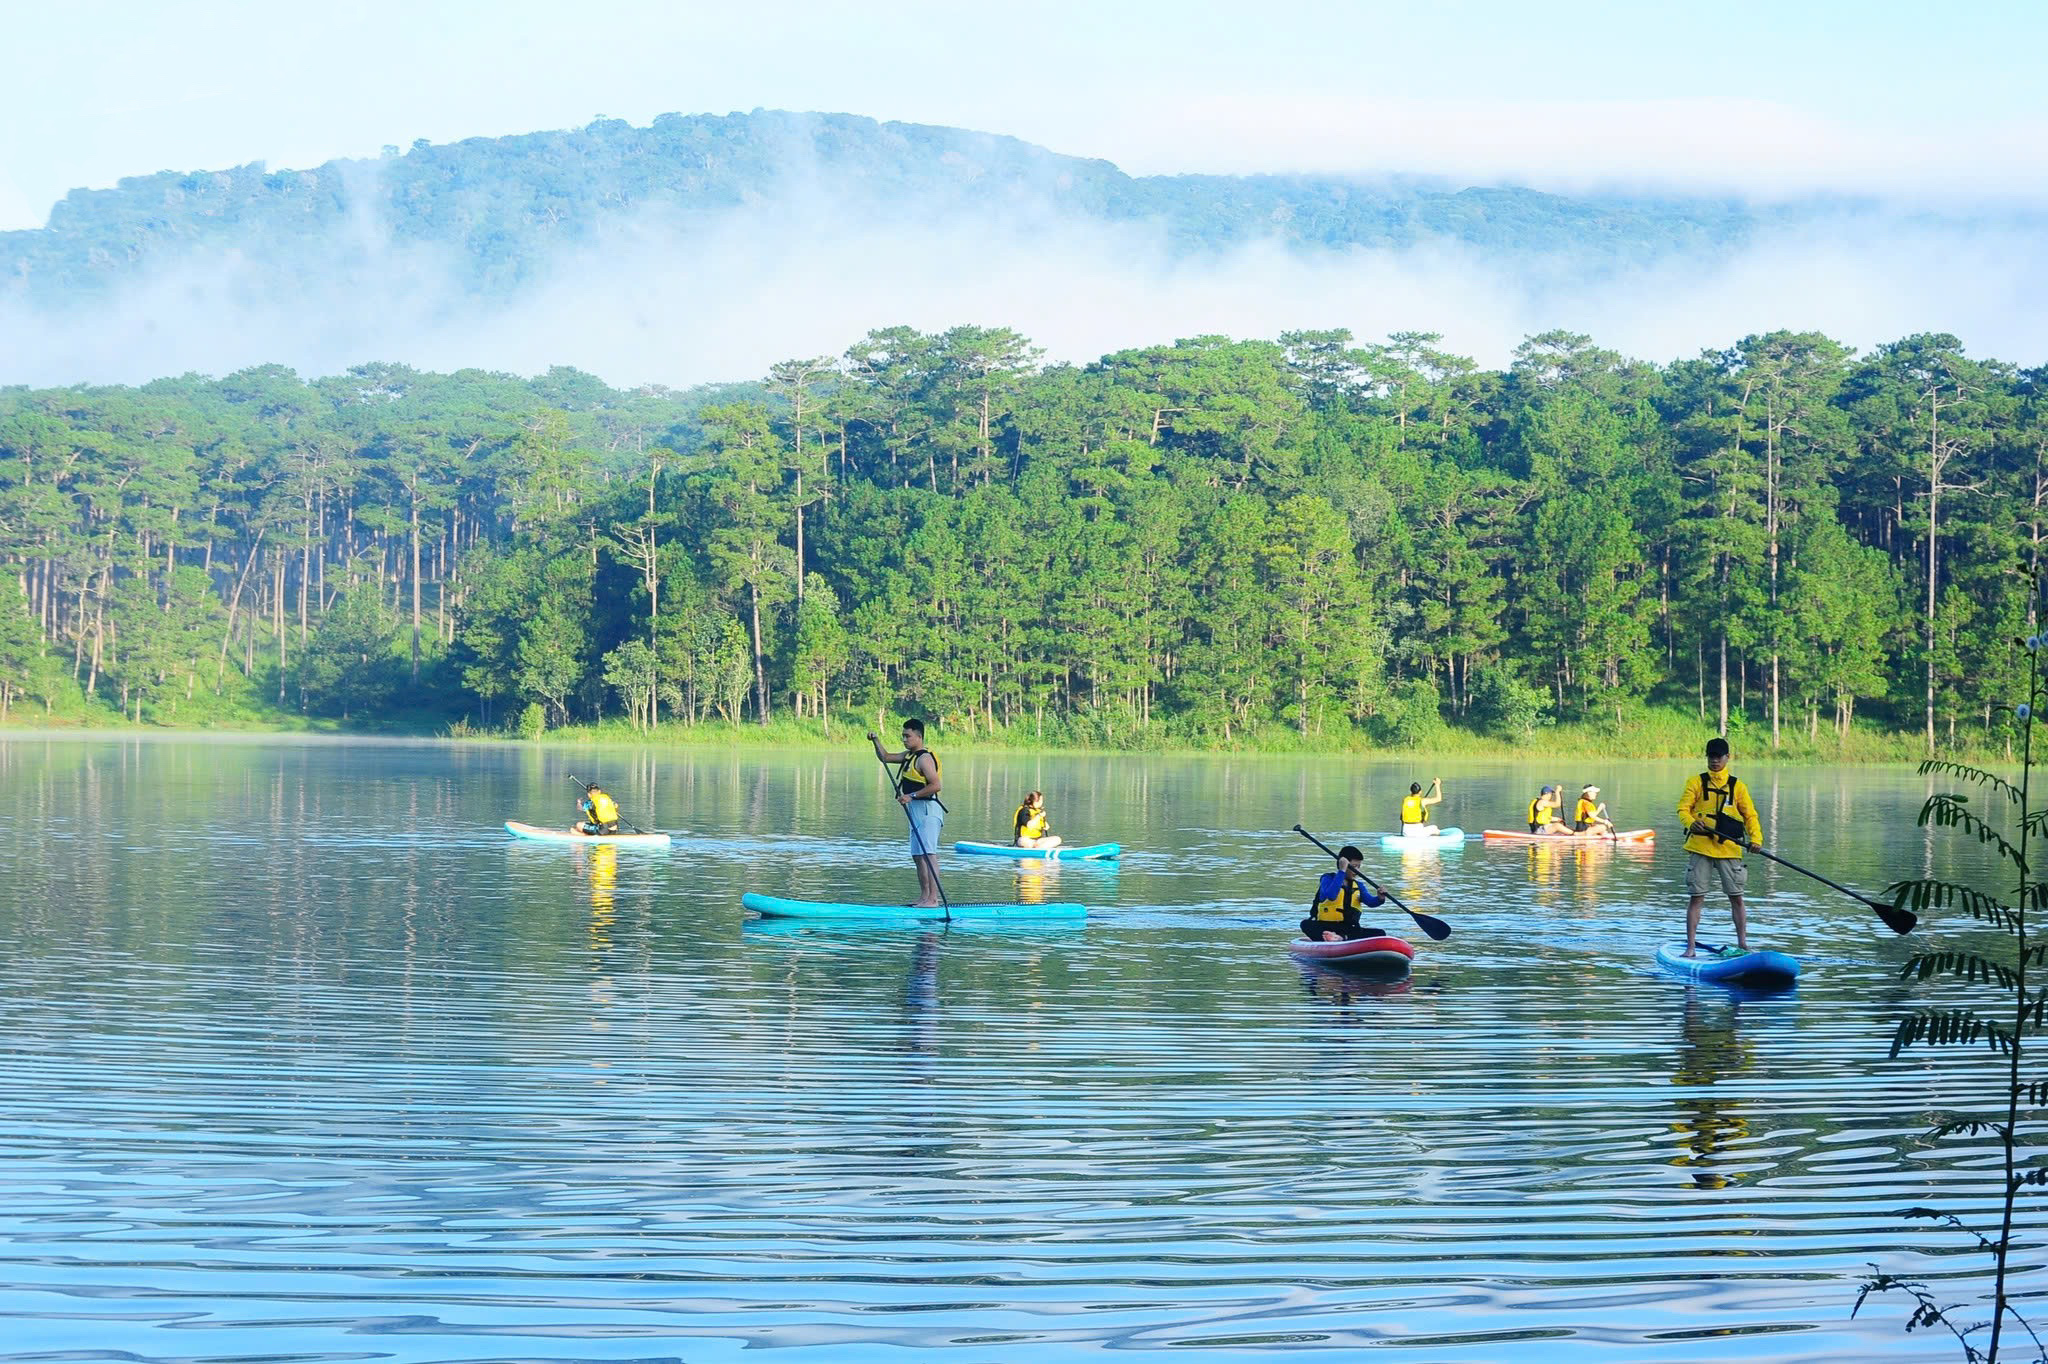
1309	541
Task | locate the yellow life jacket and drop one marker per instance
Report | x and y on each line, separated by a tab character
1538	805
1341	906
907	779
1413	810
1586	811
603	809
1030	823
1722	796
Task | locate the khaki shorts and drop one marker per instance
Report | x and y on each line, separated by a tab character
1704	873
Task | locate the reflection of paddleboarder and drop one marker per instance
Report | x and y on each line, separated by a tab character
921	996
1710	1050
604	886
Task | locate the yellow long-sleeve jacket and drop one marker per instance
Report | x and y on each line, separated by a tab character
1703	799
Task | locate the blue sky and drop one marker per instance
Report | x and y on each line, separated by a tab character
1769	99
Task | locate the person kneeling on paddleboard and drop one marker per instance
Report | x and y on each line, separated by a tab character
1590	815
600	812
1543	813
1333	914
1415	808
1030	827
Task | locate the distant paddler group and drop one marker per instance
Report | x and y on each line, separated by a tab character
1715	810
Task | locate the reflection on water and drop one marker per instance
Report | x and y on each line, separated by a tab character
602	860
1711	1049
1344	988
308	1062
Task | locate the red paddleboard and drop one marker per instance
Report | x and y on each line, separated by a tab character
1589	840
1381	952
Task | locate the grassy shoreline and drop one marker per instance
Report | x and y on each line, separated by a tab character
1653	735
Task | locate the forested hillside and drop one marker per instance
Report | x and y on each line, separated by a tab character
1211	542
502	206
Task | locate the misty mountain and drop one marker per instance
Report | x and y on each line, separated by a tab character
504	206
706	248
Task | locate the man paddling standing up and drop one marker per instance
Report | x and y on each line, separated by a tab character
917	791
1711	859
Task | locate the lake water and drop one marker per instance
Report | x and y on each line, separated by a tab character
305	1060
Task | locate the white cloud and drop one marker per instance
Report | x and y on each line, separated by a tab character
805	274
1693	144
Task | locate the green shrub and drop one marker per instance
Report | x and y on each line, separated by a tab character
1505	705
533	721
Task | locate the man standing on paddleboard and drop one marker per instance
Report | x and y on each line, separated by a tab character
1710	859
917	791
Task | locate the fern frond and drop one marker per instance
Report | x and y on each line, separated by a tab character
2034	895
1970	1125
1947	810
1941	1028
1966	966
1971	774
1924	893
2035	1094
2036	1177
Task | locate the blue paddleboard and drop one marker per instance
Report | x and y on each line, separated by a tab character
1091	852
1442	838
778	907
1764	970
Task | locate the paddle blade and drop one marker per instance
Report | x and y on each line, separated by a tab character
1896	919
1436	928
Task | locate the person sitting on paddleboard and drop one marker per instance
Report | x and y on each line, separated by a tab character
1543	813
1720	820
600	812
1333	914
1415	808
917	791
1590	815
1030	827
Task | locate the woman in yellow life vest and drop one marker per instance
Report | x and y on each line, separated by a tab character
600	812
1543	813
1333	914
1030	827
1590	814
1415	808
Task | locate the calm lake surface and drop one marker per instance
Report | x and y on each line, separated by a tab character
306	1060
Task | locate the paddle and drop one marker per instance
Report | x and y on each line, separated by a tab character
916	838
1734	830
584	785
1428	923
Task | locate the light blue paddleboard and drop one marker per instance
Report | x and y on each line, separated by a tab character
1442	838
1763	970
1092	852
540	835
777	907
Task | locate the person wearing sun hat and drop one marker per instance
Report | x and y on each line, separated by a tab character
1590	815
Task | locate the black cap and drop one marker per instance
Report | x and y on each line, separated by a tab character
1717	747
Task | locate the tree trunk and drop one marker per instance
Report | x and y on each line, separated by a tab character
760	672
1724	684
415	582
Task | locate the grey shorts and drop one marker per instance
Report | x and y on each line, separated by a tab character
925	817
1704	874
